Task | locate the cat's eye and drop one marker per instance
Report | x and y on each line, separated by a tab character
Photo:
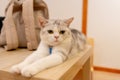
50	31
62	32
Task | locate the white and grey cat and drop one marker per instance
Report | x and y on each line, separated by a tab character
57	35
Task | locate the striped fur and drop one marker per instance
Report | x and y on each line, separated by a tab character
76	40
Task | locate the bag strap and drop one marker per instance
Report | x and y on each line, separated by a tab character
10	30
45	9
28	17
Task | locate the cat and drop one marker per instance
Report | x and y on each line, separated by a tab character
56	38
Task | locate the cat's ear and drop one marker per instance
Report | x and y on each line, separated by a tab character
68	21
42	21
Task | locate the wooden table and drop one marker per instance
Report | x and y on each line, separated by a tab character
66	71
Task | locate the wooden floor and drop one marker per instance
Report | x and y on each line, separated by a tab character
99	75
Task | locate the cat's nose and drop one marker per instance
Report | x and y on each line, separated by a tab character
56	37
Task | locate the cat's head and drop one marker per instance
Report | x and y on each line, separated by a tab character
54	31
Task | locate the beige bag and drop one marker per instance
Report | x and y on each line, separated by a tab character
21	24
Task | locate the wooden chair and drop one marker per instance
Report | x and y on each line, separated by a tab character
77	68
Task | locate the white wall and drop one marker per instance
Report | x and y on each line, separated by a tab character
66	9
104	26
3	4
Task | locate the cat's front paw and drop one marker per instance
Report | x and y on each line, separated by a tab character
28	71
15	69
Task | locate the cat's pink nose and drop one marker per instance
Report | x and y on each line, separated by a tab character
56	37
